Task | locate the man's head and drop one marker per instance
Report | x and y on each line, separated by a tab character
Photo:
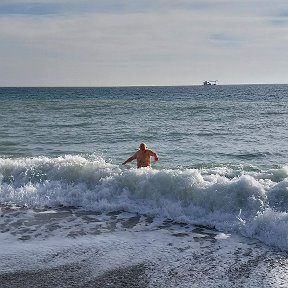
143	146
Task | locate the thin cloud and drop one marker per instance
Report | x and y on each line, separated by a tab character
281	19
140	42
30	9
225	40
43	7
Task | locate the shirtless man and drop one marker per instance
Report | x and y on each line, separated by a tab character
142	156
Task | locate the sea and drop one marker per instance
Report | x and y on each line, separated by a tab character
222	175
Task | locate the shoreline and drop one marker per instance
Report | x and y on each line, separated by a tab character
73	275
121	249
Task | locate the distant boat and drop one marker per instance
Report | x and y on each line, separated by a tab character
210	82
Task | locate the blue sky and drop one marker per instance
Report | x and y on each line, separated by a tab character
137	42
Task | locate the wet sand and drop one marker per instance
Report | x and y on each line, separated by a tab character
76	276
72	248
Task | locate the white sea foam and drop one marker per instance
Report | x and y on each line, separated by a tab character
169	261
253	203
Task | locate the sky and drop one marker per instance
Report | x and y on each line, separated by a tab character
142	42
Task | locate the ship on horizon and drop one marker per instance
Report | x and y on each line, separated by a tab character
210	82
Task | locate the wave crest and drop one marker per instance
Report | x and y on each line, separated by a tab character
203	196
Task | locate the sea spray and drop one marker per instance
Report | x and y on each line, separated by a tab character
248	203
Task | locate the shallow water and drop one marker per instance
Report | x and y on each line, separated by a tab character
72	247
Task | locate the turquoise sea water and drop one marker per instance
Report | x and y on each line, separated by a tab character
186	126
222	149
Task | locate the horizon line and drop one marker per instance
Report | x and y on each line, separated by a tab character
136	85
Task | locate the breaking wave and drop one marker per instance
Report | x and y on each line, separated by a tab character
253	203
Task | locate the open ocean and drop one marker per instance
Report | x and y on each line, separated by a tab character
222	175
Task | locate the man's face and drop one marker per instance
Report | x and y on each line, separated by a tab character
142	147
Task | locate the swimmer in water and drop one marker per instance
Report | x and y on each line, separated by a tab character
142	156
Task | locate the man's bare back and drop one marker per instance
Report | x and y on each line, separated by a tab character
142	156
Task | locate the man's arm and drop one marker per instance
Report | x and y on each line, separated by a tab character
153	154
130	159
